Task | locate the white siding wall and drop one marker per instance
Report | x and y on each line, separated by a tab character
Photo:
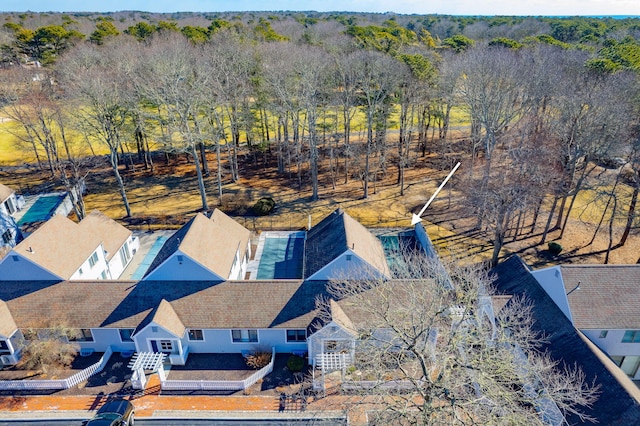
92	272
105	337
550	279
187	270
116	265
237	267
12	200
23	269
220	341
612	344
144	336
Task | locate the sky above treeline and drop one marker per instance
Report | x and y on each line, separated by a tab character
445	7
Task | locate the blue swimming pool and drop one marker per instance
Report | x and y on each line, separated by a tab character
148	259
281	258
42	209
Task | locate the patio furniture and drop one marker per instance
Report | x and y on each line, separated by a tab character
86	352
126	354
300	353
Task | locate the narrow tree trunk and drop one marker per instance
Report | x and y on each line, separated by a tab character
549	218
203	159
148	158
576	189
536	213
219	172
313	154
613	218
367	154
631	214
123	193
347	138
201	187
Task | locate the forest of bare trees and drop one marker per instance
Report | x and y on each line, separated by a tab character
531	106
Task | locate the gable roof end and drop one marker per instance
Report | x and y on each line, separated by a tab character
7	323
59	246
112	234
337	233
5	192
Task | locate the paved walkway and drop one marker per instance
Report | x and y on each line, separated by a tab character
152	404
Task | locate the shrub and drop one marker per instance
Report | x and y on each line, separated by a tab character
258	359
555	248
264	206
295	363
51	350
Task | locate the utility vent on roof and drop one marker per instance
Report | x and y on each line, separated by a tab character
180	258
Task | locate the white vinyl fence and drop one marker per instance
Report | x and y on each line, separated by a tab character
220	385
67	383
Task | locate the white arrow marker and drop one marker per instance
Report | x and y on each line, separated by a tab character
416	217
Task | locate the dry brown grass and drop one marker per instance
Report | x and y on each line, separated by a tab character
168	198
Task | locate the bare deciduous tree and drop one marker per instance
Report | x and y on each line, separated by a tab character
174	76
432	350
48	348
95	79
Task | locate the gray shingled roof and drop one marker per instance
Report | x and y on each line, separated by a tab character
126	304
615	405
607	298
334	235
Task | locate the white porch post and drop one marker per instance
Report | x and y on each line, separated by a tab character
353	349
161	373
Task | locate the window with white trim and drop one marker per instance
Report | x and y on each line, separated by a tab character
294	336
631	336
93	259
241	336
125	334
195	334
4	347
125	255
166	345
7	237
82	335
